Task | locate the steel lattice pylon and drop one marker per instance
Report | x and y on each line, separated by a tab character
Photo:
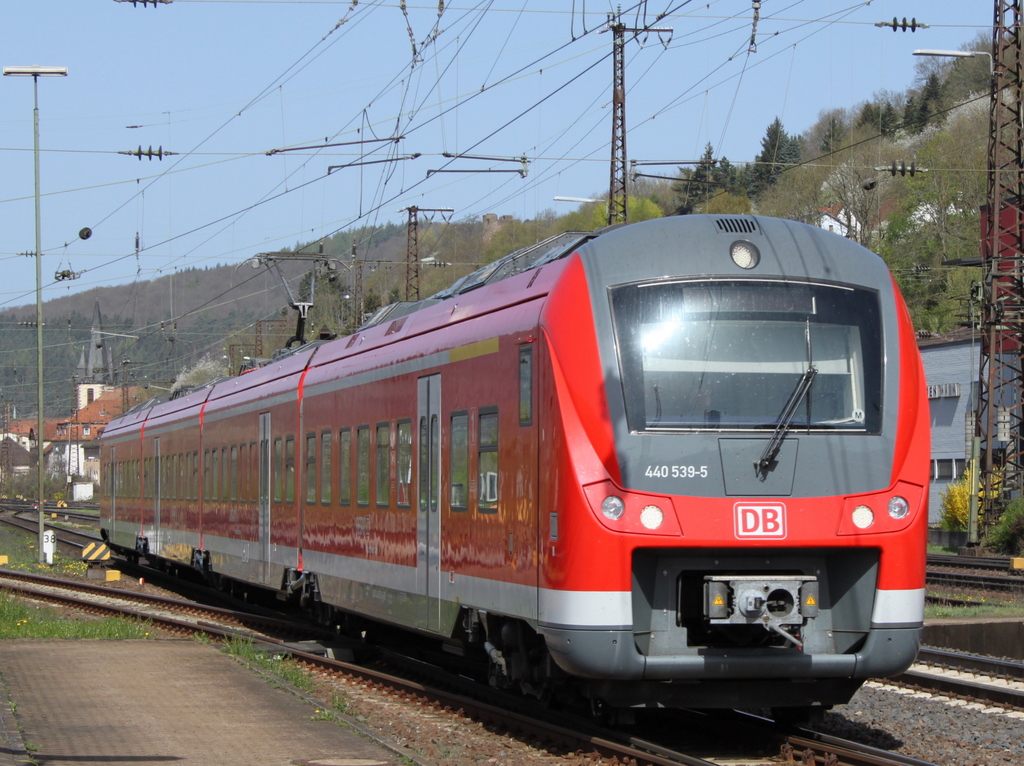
1001	373
618	199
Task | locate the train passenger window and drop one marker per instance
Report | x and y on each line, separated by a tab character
289	469
234	471
363	465
195	474
310	468
487	444
225	465
458	498
525	385
215	478
207	476
325	467
382	494
345	467
278	467
252	475
404	463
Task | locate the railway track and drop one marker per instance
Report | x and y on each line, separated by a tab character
443	692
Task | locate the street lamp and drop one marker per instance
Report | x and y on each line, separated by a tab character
35	72
957	55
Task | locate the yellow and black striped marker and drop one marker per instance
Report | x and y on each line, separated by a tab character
96	552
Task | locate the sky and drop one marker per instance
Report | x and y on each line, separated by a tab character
368	98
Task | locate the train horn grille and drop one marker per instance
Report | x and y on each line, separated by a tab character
736	225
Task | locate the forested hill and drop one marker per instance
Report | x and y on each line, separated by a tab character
903	174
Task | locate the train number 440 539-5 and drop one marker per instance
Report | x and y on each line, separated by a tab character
677	471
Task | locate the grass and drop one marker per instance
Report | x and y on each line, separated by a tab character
287	670
23	555
20	620
982	609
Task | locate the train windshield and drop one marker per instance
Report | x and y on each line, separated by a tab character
736	355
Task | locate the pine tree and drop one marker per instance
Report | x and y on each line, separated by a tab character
779	150
695	185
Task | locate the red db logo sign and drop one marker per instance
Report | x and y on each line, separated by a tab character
762	520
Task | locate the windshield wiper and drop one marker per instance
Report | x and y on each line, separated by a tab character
785	419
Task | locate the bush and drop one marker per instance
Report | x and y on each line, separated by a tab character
1007	535
956	504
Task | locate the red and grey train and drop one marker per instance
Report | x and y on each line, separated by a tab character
681	462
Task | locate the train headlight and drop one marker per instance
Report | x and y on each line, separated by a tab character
612	507
652	516
744	254
863	517
898	507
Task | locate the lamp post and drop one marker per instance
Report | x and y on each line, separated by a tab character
35	72
957	55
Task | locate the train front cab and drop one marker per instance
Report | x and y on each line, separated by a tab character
744	529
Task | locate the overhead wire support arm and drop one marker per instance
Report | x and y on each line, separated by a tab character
325	145
523	171
331	168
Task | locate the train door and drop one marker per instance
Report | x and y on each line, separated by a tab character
428	514
157	490
113	474
264	485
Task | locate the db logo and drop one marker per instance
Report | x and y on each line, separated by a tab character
760	520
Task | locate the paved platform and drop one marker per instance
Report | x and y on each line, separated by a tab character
158	702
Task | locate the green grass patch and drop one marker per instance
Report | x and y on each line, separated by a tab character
284	668
19	620
981	609
22	552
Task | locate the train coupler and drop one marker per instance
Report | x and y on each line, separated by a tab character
773	602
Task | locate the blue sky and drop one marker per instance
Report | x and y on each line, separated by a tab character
225	82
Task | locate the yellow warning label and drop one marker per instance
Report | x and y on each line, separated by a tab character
719	601
810	601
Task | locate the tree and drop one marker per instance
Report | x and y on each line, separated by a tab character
696	184
779	151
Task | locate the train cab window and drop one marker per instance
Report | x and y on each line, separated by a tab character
525	385
382	490
310	468
289	469
487	464
729	355
345	467
458	498
325	467
278	467
403	464
363	465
